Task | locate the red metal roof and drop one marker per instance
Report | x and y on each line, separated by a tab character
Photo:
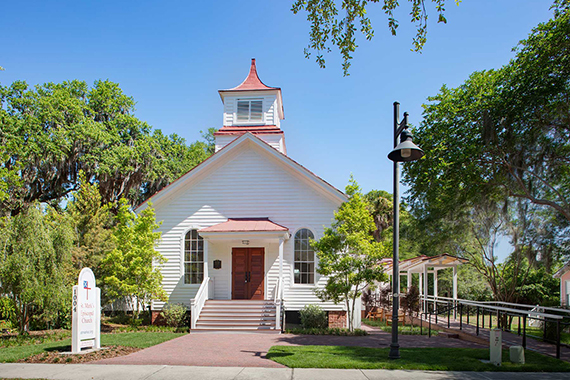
255	129
252	82
245	225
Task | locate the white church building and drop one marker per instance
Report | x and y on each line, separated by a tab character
236	228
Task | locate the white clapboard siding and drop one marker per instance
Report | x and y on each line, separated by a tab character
249	182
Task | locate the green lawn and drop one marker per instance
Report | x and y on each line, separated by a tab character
130	339
403	330
430	359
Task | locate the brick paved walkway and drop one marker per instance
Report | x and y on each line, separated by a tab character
249	350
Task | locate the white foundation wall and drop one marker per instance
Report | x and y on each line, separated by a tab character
248	183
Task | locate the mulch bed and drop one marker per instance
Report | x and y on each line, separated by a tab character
56	357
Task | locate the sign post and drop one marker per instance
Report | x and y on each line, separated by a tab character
86	311
496	346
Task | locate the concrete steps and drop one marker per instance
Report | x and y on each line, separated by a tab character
237	315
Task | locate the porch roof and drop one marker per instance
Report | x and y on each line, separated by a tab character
246	225
417	264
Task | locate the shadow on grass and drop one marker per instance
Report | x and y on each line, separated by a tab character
64	348
275	355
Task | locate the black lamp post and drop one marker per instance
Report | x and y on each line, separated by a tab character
403	152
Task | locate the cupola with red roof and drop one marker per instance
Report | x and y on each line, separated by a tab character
252	107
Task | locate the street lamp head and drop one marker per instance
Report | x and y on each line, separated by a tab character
406	149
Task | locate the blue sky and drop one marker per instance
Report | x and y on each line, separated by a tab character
173	56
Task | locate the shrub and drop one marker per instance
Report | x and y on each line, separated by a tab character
411	301
174	314
327	331
8	311
313	317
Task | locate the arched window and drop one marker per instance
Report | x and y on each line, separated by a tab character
304	265
193	258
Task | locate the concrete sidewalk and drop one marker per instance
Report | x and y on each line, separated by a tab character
164	372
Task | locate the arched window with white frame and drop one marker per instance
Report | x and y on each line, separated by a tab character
193	258
304	263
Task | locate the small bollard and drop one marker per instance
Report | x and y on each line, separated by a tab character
496	346
516	354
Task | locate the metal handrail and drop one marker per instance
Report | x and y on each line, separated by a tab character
511	310
480	312
197	303
438	298
565	311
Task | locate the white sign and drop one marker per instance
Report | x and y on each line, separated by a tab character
496	346
86	323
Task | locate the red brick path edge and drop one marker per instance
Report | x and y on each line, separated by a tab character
250	349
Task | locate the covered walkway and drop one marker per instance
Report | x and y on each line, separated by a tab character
424	266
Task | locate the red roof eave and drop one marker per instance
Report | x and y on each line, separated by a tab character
246	225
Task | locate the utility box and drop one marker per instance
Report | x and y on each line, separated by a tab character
516	354
496	346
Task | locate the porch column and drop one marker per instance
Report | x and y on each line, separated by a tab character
421	283
455	291
210	288
206	249
409	281
281	242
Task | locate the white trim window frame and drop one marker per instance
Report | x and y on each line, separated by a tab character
193	259
304	258
249	110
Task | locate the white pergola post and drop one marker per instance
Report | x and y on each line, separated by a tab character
281	242
426	292
409	284
435	292
455	291
421	286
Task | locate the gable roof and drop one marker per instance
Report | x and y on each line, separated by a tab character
562	270
319	183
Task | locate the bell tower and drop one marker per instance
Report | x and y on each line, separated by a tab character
252	107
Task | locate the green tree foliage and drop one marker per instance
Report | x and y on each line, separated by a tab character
52	131
502	133
210	140
128	269
499	161
35	248
92	224
328	29
348	254
380	205
471	285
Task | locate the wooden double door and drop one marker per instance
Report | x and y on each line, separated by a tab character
248	272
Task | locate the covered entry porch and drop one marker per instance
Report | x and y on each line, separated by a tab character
242	279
